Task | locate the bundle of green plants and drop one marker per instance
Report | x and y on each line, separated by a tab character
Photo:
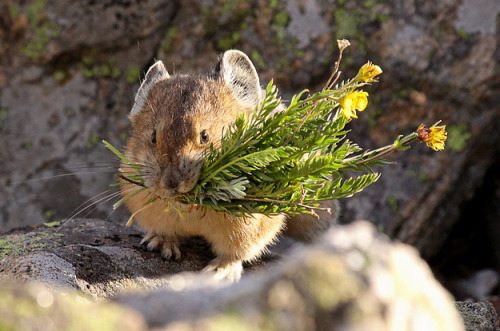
286	160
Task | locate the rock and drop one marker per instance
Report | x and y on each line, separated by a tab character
353	279
95	257
36	307
478	316
68	77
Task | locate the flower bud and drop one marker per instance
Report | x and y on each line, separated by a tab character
368	72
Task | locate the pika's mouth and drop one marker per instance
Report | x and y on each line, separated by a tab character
165	194
172	195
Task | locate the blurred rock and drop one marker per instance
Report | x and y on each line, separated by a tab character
36	307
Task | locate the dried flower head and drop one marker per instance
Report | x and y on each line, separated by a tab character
343	44
352	102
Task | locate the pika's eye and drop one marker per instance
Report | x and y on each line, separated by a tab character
153	137
204	137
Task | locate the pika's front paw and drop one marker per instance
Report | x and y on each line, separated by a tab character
228	270
167	245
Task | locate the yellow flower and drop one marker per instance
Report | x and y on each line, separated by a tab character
368	72
433	137
352	102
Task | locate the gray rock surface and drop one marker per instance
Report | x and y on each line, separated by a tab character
479	316
96	257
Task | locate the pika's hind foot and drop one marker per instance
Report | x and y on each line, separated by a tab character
228	270
167	245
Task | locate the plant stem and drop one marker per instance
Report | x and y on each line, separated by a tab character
270	201
399	144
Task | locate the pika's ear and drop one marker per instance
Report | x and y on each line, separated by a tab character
155	73
239	74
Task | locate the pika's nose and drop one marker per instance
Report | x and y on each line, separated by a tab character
171	179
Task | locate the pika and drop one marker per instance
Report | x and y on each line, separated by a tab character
174	120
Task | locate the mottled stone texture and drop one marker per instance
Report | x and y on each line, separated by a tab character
478	316
68	72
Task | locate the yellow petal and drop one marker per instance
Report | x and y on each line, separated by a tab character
352	102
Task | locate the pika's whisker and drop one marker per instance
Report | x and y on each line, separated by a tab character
58	176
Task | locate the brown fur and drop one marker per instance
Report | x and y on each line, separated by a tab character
178	109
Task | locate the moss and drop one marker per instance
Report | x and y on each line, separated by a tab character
59	75
462	34
93	141
281	18
346	23
350	22
372	116
392	203
457	137
423	178
229	42
20	308
93	69
52	224
257	59
369	4
133	74
170	36
41	29
228	321
13	10
69	112
123	136
282	63
238	16
16	245
234	7
6	326
279	35
4	113
244	25
48	214
411	173
403	93
208	19
383	18
329	281
278	26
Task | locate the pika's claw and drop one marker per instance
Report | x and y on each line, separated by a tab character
230	271
167	245
147	238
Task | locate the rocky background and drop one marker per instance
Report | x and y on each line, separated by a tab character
69	71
